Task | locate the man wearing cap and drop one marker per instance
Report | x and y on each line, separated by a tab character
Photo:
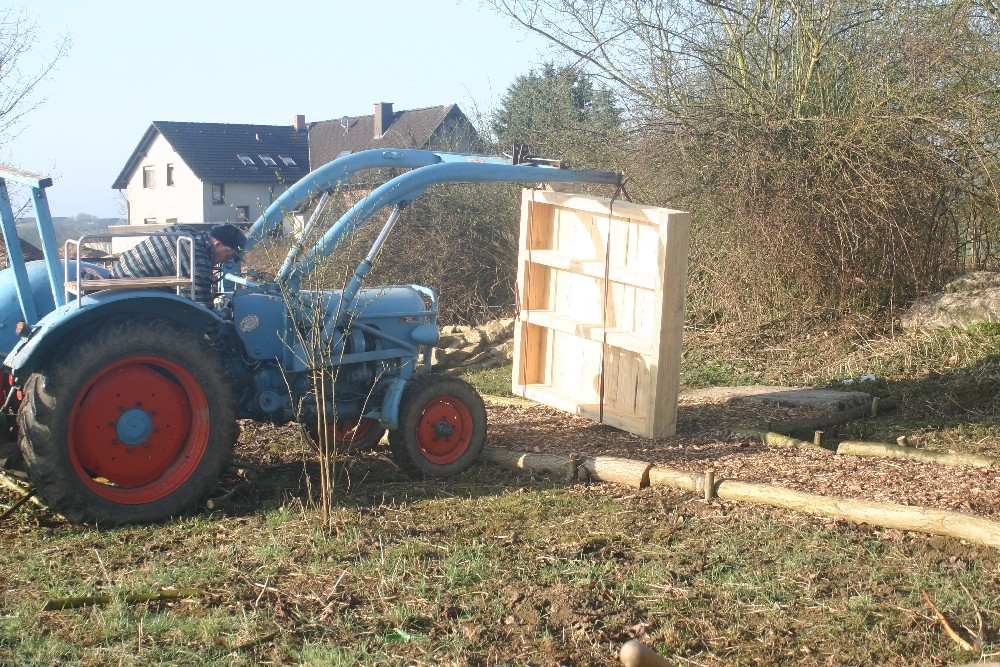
157	256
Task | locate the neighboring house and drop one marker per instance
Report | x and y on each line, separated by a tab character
217	172
208	172
437	128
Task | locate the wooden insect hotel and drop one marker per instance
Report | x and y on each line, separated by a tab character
601	309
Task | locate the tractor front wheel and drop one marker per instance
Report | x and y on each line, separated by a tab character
442	426
134	424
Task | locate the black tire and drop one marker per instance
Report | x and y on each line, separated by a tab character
133	424
442	426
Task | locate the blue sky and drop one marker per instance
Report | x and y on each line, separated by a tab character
247	62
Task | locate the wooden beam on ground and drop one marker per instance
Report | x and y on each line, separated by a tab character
599	468
779	440
969	527
885	450
887	515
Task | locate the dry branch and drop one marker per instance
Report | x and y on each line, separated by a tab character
56	604
7	482
779	440
944	624
27	496
885	450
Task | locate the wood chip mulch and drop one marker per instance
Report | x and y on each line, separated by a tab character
702	442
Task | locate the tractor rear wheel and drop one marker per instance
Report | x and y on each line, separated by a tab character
134	424
442	426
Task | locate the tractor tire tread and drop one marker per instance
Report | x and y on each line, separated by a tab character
44	418
402	441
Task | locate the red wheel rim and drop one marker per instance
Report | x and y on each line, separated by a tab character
138	430
349	431
444	430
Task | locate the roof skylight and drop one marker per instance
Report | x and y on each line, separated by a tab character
268	161
289	162
246	160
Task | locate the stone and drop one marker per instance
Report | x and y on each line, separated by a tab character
971	299
498	330
829	400
450	356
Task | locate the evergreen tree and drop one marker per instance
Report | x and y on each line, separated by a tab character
559	113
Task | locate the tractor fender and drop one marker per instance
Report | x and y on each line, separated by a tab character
389	417
33	351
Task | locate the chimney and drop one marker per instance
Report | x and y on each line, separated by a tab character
299	122
383	118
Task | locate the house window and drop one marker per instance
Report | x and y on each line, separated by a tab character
170	174
242	213
268	160
149	177
149	221
246	160
289	162
218	193
171	221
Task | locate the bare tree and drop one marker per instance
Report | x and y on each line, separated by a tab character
835	155
18	81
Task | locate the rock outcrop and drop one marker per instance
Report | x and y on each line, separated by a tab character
972	299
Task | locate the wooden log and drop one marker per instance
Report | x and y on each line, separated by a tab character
887	515
676	479
620	471
552	463
600	468
779	440
885	450
634	653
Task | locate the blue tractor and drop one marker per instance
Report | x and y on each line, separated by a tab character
122	398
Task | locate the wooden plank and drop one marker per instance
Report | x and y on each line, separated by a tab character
594	330
672	266
97	284
594	268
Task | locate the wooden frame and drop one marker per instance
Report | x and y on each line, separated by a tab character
601	309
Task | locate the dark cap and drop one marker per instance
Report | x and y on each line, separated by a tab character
230	236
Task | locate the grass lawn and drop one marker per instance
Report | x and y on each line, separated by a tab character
498	568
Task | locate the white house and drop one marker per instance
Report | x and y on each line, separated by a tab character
208	172
217	172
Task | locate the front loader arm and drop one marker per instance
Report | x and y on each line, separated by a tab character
339	172
403	189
